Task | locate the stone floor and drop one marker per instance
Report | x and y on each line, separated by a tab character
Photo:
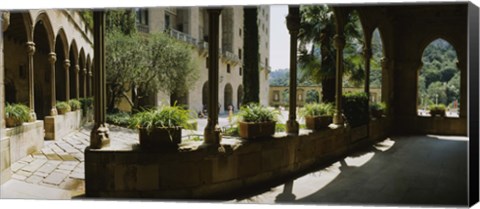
399	170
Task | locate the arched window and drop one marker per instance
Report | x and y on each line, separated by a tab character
439	79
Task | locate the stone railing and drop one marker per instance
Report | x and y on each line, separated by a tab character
182	36
230	57
143	28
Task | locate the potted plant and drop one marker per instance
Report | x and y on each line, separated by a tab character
161	128
256	121
317	115
377	109
16	114
74	104
62	107
437	110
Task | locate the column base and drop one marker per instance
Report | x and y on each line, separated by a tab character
99	136
53	111
335	126
338	119
33	116
213	135
292	127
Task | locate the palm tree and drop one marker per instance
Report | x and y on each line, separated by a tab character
317	52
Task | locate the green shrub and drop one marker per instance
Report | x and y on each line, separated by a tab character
74	104
439	107
63	107
316	109
19	113
163	117
378	106
280	127
355	106
86	103
231	131
257	113
119	119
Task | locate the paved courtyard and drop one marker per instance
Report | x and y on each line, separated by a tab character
399	170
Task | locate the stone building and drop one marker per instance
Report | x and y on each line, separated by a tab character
190	24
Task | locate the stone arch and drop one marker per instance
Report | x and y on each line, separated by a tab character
227	96
19	32
61	49
445	90
73	57
43	19
239	96
81	63
42	37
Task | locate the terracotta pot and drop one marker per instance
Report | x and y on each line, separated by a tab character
160	138
377	113
249	130
318	122
12	122
61	111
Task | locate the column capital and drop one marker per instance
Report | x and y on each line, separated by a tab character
293	19
52	57
30	48
367	53
5	20
339	41
66	63
77	68
84	71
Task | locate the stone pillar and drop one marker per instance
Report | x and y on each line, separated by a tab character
212	130
4	22
387	87
67	79
85	76
293	25
99	135
90	77
31	98
52	58
339	42
367	55
463	89
77	82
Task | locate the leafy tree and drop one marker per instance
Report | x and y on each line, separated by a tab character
317	52
251	82
122	20
440	89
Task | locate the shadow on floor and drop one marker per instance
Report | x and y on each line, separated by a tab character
406	170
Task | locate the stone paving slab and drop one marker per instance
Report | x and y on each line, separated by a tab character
55	178
18	165
34	179
21	190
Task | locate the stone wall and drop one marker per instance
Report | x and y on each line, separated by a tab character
56	127
5	161
25	139
204	172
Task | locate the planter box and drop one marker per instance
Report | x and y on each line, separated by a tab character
11	122
377	113
318	122
160	138
255	130
440	113
359	132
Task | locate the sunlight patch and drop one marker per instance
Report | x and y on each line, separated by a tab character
360	160
384	145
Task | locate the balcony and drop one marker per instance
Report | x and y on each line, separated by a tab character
142	28
181	36
230	57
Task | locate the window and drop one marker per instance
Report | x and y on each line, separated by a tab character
266	61
142	16
167	21
240	32
240	53
206	62
228	68
240	71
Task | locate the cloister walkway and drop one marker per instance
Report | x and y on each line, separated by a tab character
408	170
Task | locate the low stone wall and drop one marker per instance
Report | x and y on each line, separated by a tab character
5	161
431	125
205	172
59	126
380	128
25	139
87	116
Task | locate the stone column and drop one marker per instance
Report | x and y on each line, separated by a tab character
77	81
293	25
387	87
4	22
367	55
31	98
339	42
85	76
52	58
212	130
67	79
463	89
90	77
99	135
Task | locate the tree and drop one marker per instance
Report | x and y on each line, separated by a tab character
317	52
251	82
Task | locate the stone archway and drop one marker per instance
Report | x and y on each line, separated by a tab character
227	96
61	47
42	69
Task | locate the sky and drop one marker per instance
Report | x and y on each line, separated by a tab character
279	38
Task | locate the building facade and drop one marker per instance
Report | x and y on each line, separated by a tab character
191	26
